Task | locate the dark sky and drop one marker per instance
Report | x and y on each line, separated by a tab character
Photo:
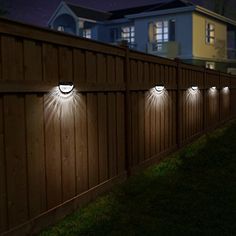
38	12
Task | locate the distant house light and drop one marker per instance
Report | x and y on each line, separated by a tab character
61	28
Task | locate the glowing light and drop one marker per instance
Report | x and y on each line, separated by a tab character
194	88
66	87
159	88
226	89
213	88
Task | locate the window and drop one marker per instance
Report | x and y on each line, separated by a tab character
128	34
87	33
210	65
161	33
210	33
61	28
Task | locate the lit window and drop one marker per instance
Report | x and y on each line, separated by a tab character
210	33
87	33
161	33
128	34
61	28
210	65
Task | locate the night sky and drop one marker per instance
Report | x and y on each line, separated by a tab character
38	12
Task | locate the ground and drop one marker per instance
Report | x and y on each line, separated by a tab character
192	192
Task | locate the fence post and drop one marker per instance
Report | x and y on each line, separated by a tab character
127	111
178	105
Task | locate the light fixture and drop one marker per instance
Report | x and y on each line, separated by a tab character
66	87
159	88
213	88
226	88
194	87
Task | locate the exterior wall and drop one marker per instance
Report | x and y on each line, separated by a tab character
200	47
182	34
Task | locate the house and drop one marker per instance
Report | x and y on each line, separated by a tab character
173	29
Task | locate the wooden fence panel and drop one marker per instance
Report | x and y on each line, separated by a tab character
36	155
33	60
81	144
53	153
57	152
16	164
12	58
3	194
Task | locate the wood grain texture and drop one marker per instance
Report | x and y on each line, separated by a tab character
81	145
12	58
3	180
53	153
93	161
33	68
15	147
35	155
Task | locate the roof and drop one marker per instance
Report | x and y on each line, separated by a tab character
118	14
89	13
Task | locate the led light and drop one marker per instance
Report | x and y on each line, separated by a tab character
226	88
159	88
194	88
213	88
66	87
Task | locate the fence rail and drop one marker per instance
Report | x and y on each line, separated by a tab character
57	154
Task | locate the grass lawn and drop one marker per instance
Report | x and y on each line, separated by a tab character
193	192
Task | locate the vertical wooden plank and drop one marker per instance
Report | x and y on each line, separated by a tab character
147	126
79	65
53	154
119	70
35	154
12	58
50	62
81	143
3	194
134	71
68	154
102	137
134	127
120	108
158	128
93	139
16	159
33	60
111	74
146	72
162	125
112	135
153	126
65	64
91	67
101	68
141	137
140	71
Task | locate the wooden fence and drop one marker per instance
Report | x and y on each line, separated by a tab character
57	154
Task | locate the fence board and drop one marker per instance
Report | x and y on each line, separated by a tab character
35	154
81	137
12	58
102	137
65	64
16	159
53	154
141	115
147	126
79	65
3	195
120	101
68	152
33	60
112	142
93	161
50	62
